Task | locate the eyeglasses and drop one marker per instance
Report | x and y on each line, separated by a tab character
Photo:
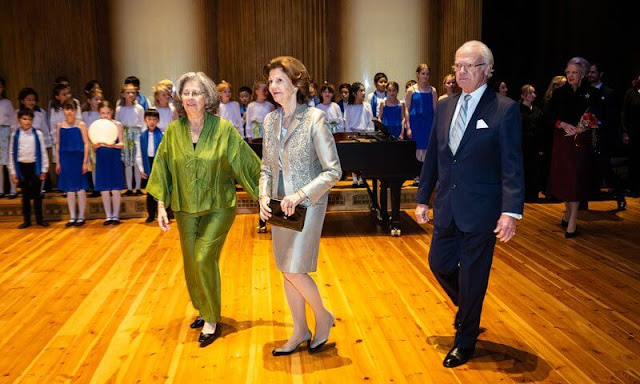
467	67
193	94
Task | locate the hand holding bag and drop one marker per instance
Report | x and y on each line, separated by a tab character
278	218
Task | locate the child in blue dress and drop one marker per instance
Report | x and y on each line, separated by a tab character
392	111
109	174
421	104
72	166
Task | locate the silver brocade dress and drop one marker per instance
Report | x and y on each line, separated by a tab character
301	158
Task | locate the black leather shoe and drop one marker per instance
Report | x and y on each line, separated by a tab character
198	323
80	223
150	220
12	196
108	222
315	347
128	193
457	356
70	223
564	223
284	352
571	235
208	338
115	221
622	204
42	223
24	225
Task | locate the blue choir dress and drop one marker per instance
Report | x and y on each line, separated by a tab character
71	178
392	119
109	173
421	117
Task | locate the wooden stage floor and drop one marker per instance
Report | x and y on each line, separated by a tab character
109	304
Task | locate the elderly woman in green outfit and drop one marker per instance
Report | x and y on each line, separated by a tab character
193	172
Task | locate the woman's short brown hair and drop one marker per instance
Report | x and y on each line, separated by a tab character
296	71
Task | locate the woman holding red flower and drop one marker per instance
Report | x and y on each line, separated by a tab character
573	112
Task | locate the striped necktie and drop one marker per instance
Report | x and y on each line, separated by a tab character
455	136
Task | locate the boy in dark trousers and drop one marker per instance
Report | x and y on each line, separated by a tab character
28	165
149	141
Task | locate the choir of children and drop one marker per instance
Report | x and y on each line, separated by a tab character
58	142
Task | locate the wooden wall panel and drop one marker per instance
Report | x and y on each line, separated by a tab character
42	40
461	20
250	33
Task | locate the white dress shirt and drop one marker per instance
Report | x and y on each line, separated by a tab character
27	150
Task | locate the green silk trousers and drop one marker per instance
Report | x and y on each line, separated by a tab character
202	237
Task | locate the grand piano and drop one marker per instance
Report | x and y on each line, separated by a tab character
381	158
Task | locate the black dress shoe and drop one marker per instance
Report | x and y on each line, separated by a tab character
115	222
128	193
150	220
80	223
564	223
70	223
208	338
457	356
42	223
24	225
198	323
12	196
570	235
284	352
108	222
622	204
315	347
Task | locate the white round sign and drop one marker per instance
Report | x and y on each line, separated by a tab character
103	131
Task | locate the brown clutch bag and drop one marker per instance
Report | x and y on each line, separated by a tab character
279	219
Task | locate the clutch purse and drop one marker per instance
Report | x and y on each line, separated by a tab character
278	218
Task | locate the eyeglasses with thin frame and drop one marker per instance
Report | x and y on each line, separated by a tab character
467	67
193	94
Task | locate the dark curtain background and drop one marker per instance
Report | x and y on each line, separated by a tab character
533	40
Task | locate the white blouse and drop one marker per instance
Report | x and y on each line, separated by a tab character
334	116
89	117
231	112
7	113
130	115
166	116
358	118
256	112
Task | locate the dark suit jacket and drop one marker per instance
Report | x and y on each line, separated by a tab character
485	177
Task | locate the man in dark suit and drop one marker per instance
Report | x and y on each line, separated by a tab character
474	162
606	138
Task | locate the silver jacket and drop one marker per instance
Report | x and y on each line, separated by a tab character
310	160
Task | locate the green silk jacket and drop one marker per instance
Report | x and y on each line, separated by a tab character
200	180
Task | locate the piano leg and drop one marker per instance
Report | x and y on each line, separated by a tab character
395	187
383	214
373	194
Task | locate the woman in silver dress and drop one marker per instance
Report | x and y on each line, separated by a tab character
300	164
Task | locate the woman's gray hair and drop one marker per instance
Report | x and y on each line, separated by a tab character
581	63
482	49
212	98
